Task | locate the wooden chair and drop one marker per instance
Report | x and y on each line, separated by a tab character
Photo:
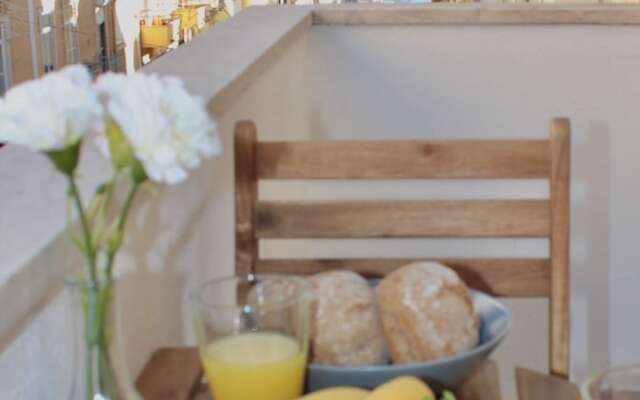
416	159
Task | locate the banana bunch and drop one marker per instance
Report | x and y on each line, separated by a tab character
402	388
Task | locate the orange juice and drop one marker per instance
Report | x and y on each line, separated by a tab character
255	365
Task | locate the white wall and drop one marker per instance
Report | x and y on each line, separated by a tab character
508	81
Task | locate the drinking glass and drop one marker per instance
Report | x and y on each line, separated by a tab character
253	335
622	383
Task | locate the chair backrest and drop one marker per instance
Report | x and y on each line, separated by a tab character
416	159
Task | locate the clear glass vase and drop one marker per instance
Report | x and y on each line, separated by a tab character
99	369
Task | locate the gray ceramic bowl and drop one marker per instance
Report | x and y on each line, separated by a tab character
446	373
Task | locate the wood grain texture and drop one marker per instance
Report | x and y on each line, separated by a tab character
536	386
433	218
483	384
388	219
246	194
171	373
508	277
478	14
560	144
404	159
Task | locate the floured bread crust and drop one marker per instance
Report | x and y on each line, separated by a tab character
346	329
427	313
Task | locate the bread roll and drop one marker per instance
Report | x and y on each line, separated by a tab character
426	312
346	328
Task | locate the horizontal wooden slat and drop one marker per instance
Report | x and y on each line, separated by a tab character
411	159
509	277
388	219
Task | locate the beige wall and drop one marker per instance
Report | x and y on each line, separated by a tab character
88	37
61	54
110	24
21	62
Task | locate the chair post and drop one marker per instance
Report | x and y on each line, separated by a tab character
559	338
246	193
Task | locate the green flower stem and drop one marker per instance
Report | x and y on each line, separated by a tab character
97	296
104	196
91	330
119	232
100	374
91	319
90	252
110	190
107	381
89	372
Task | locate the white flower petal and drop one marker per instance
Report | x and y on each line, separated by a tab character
164	156
174	175
51	113
169	130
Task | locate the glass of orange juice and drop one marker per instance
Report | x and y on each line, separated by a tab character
253	335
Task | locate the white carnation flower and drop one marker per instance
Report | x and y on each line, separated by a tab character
51	113
169	130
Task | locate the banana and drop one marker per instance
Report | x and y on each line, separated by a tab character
402	388
338	393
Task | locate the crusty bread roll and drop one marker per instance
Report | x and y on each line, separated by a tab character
426	312
346	328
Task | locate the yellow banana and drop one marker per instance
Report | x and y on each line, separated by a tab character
338	393
402	388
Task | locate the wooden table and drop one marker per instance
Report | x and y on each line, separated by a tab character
176	374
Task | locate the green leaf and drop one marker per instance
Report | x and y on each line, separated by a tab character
65	160
101	189
76	239
94	206
137	173
115	239
98	230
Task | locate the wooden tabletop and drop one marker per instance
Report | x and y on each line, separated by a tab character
175	373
